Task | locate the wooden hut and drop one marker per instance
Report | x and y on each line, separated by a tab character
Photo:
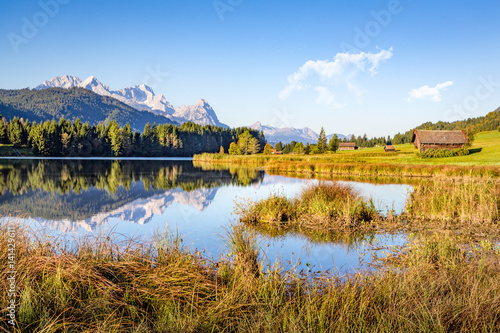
347	146
425	140
389	148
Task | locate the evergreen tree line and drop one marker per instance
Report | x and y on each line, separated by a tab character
470	126
66	138
324	145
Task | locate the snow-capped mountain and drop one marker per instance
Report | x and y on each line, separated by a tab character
201	113
140	211
141	97
289	134
65	81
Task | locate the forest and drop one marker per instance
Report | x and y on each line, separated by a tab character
66	138
70	104
490	122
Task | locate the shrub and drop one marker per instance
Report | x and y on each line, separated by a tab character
436	153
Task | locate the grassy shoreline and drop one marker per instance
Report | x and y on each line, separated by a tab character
470	204
375	162
433	284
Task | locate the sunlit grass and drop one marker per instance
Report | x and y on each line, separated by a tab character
324	205
100	284
484	160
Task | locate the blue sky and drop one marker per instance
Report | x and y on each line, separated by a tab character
375	67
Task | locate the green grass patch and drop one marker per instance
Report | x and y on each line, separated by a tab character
483	160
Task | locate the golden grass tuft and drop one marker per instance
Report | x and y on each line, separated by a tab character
325	205
105	285
467	201
433	284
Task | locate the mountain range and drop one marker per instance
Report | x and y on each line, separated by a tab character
289	134
142	98
70	104
139	211
137	105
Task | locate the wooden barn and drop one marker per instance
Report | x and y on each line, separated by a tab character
347	146
425	140
390	148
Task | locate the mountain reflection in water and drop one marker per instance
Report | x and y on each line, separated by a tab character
70	194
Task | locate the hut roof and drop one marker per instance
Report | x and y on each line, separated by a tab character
390	147
440	137
347	144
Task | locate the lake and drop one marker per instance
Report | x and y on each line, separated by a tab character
138	197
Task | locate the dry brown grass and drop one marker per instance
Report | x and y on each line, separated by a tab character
465	202
326	205
104	285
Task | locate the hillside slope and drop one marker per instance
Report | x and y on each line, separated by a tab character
54	103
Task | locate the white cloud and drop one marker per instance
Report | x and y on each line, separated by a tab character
429	93
344	67
327	98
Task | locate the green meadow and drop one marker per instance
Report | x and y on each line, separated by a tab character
483	160
485	150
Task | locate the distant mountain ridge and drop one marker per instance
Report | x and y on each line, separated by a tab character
142	98
73	103
289	134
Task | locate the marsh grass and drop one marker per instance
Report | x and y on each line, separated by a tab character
375	162
325	205
465	202
434	284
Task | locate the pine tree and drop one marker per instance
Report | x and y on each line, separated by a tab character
254	146
279	146
308	149
127	140
245	143
299	148
115	138
322	141
334	143
15	132
3	132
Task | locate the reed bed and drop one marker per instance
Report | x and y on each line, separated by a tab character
465	202
103	285
326	205
381	169
357	164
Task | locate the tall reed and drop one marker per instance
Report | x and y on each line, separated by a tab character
324	205
104	285
466	201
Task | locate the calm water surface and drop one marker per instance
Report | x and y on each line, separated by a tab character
136	198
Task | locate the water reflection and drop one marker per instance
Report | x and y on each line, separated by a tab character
80	189
136	198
